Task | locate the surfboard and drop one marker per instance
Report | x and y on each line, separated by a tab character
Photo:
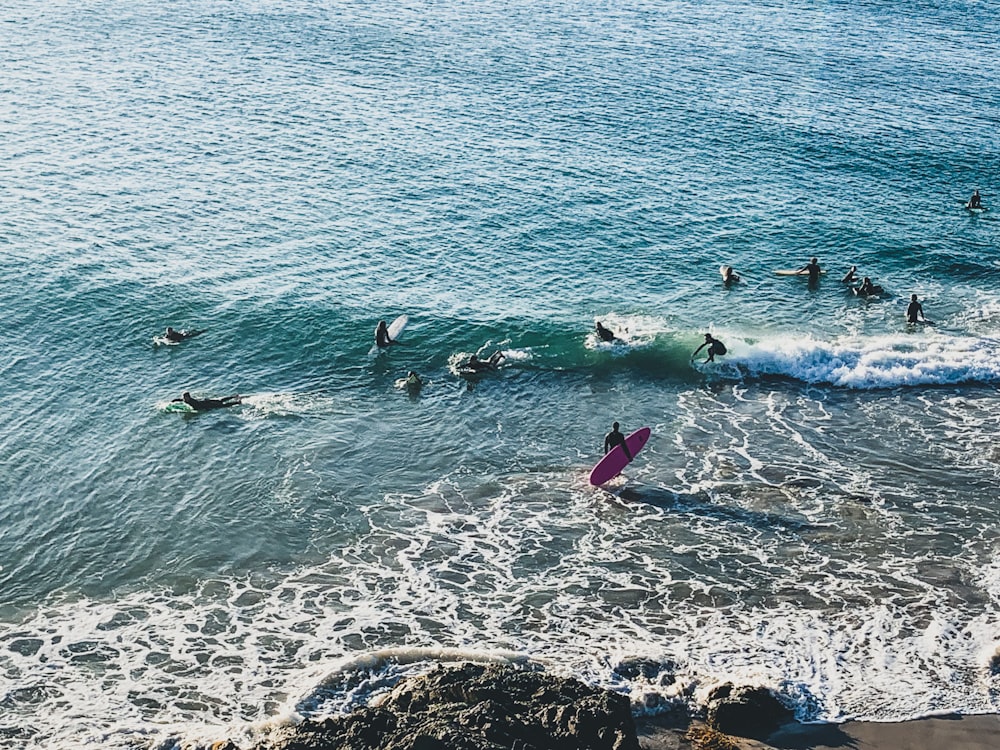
394	329
615	460
792	272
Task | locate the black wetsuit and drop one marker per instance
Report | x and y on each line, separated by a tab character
614	438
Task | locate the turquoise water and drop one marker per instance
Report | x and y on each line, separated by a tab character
816	512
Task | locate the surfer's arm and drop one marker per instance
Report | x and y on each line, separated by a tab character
695	353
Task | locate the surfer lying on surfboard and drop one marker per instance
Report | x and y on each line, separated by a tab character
604	334
204	404
490	363
174	336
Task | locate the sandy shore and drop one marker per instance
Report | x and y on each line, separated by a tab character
943	733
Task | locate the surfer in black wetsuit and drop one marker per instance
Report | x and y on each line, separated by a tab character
868	288
812	267
175	336
605	334
490	363
204	404
913	310
714	347
382	339
975	201
614	438
731	277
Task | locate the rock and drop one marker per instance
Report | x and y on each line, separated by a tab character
746	711
477	707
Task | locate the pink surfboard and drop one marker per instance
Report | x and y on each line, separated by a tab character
614	461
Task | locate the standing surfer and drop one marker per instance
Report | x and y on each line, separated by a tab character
913	310
714	347
813	269
975	201
614	438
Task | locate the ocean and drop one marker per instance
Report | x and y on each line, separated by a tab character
815	512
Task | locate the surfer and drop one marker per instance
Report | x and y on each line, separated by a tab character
605	334
382	339
614	438
813	269
867	288
975	201
204	404
175	336
714	347
413	381
490	363
730	276
913	310
851	276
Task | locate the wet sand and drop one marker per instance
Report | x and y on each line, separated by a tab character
940	733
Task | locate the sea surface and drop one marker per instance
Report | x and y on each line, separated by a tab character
817	511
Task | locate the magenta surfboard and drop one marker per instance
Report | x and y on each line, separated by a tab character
614	461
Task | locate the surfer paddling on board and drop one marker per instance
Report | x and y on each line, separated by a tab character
382	339
490	363
614	438
729	276
813	269
714	347
915	309
204	404
175	336
604	334
975	201
868	288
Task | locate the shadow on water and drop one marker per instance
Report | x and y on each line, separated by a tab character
705	507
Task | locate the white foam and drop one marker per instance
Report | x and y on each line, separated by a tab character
886	361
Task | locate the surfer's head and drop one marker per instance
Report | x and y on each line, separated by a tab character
708	337
615	427
813	260
913	298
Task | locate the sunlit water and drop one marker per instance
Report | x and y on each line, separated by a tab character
815	512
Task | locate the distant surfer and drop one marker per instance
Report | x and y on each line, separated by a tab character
729	276
813	269
382	339
851	276
490	363
714	347
605	334
975	201
915	309
175	336
413	381
204	404
614	438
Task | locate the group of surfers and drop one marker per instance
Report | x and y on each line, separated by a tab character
867	288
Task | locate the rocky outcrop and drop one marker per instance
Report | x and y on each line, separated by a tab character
746	711
477	707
